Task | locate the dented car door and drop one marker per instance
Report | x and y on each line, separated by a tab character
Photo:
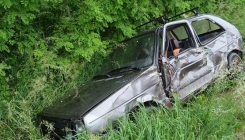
189	70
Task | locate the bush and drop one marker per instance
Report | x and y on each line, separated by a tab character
49	47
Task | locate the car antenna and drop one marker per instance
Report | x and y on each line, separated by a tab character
162	20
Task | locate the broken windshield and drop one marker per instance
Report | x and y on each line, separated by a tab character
135	53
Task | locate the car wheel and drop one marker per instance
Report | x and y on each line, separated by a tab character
235	65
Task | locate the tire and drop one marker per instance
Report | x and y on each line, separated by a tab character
235	65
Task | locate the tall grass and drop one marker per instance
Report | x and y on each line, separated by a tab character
36	89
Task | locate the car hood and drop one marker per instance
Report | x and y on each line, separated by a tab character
76	103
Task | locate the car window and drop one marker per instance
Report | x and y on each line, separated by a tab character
178	39
206	29
180	33
135	52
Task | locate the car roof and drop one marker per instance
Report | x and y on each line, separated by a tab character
223	23
192	18
189	19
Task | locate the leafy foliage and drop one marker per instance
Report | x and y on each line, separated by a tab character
48	47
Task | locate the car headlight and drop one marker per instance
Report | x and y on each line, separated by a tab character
79	126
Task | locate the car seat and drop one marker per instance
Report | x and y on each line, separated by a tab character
176	47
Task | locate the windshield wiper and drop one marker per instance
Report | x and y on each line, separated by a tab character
123	69
118	70
98	77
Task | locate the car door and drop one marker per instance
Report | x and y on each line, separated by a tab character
187	71
212	37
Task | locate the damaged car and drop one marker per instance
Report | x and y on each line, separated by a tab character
181	56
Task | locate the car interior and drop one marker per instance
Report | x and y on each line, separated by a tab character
178	40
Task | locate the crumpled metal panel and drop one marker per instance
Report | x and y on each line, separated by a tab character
147	87
196	67
190	66
203	66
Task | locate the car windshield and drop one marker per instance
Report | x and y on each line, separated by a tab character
134	53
